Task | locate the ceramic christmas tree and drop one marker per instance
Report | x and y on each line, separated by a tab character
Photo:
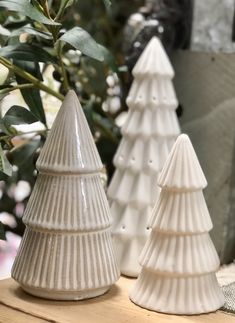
148	135
179	259
66	252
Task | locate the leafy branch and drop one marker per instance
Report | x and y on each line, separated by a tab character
29	77
37	35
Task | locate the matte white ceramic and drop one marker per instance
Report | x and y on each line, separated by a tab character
148	135
177	295
181	212
179	259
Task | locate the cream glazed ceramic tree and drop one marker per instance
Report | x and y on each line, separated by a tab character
179	259
66	252
148	135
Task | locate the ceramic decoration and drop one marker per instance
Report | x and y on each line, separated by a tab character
66	252
179	259
148	135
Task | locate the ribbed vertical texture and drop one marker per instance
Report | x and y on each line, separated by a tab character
67	245
65	262
175	295
69	146
68	203
179	259
181	212
182	169
179	254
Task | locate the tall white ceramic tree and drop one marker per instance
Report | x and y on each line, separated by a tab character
66	251
148	135
179	259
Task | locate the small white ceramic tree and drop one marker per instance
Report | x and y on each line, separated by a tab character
179	259
66	252
148	135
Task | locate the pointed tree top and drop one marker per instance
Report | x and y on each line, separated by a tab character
182	169
153	61
70	146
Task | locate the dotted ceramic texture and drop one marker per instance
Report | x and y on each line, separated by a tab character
151	123
148	135
125	221
129	231
154	152
147	93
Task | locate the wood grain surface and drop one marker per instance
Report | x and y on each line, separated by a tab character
115	306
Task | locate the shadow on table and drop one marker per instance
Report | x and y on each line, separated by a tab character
22	295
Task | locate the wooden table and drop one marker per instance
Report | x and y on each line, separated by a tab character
115	306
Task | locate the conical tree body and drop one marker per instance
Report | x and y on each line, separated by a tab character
69	147
177	295
182	170
66	251
153	61
181	212
179	259
148	135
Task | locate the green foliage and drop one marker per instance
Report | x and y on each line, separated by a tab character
28	8
22	154
81	40
31	96
27	52
18	115
31	31
43	31
109	58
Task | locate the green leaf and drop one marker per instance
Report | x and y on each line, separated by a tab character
13	23
31	31
81	40
23	153
5	166
66	3
2	232
26	52
32	97
18	115
109	58
5	128
25	8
